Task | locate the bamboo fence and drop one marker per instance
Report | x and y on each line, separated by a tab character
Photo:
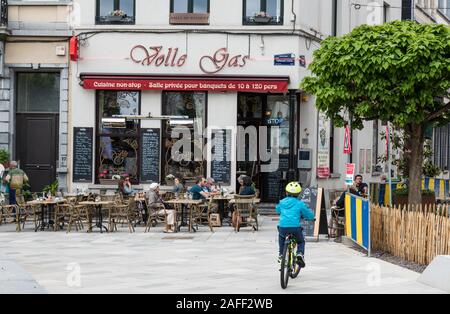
414	233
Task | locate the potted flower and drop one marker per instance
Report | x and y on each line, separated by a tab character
116	16
262	17
170	179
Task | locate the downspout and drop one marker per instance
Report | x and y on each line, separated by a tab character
294	15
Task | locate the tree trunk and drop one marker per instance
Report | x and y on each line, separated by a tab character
415	163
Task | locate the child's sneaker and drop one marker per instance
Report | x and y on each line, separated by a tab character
280	257
301	260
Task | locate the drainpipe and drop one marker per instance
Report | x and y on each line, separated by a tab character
292	174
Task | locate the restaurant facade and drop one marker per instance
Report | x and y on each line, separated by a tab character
228	85
232	87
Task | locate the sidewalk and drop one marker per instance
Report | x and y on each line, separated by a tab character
14	279
201	263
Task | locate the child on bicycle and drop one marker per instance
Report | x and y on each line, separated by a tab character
291	210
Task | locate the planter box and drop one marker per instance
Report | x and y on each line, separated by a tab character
402	200
109	182
114	18
261	19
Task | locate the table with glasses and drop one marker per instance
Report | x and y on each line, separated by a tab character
98	206
47	209
180	204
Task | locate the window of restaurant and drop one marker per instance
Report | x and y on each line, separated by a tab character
115	12
263	12
117	148
180	163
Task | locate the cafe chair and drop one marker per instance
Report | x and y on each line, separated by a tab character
154	216
337	222
10	214
245	213
77	214
125	213
201	214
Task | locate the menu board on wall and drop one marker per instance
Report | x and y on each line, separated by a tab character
82	154
150	155
273	183
221	156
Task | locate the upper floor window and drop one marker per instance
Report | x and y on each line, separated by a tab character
189	12
115	11
189	6
444	7
263	12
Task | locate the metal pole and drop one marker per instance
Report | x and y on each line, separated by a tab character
389	163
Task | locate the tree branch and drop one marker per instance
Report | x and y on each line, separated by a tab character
438	113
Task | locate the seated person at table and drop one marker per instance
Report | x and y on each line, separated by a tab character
155	202
210	187
247	187
197	190
125	187
178	187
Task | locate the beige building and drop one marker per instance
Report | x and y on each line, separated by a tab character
34	87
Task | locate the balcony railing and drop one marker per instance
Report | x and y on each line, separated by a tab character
3	13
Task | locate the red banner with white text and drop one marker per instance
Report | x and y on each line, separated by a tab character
219	85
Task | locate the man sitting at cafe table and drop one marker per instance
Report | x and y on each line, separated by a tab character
156	202
197	190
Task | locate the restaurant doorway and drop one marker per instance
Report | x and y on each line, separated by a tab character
272	112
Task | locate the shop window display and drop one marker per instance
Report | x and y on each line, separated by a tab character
118	148
193	106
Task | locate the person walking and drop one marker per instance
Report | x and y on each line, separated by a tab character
16	179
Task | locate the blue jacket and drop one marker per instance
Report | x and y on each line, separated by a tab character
291	211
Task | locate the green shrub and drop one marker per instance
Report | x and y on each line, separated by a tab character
405	192
4	156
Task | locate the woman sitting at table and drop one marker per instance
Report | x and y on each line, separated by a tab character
155	202
247	187
125	187
178	188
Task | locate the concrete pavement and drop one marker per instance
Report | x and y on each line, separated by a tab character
200	263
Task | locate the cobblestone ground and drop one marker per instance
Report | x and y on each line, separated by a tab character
201	263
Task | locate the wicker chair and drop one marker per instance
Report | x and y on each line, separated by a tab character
123	213
245	213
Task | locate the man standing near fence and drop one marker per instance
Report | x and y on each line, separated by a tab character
16	179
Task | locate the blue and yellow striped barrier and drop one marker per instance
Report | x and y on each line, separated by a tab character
380	193
357	220
439	186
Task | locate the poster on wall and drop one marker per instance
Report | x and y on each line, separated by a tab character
362	161
323	147
368	161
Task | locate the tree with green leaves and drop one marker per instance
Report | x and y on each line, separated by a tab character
397	72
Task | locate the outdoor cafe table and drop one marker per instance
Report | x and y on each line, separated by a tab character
47	208
221	200
99	214
191	204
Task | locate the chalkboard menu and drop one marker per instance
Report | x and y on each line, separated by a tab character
221	156
314	199
273	183
82	154
150	155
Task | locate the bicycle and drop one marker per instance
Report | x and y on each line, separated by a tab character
289	267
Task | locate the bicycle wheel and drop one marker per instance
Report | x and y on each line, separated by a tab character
285	270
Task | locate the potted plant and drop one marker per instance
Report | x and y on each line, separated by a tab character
51	188
262	17
116	16
400	197
170	179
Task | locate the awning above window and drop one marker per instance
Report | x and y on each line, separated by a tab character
276	84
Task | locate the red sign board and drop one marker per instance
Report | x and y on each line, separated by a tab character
218	85
347	141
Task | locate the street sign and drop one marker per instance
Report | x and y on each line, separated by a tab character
347	141
349	173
